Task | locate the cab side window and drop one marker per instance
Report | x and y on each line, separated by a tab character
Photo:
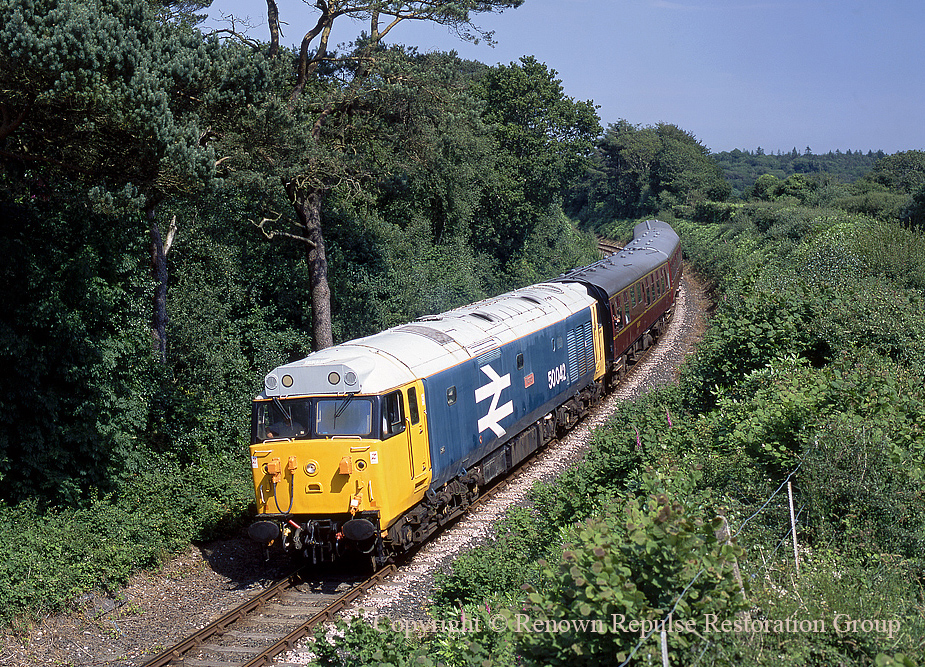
393	415
413	412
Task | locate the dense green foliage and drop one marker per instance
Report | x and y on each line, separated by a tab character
142	169
811	373
640	170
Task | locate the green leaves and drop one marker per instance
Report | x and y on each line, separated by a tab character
544	141
110	91
641	170
631	564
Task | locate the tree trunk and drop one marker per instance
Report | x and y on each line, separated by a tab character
273	21
159	249
307	203
159	272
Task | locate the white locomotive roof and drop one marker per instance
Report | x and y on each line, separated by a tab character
428	345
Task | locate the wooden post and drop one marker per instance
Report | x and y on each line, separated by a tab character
793	529
724	536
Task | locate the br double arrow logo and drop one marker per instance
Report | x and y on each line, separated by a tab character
493	388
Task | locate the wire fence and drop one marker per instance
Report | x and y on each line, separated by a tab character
767	562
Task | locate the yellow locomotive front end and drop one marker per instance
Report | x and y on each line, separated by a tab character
333	469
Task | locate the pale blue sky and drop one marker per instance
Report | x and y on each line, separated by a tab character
741	74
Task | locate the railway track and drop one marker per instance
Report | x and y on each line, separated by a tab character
269	623
606	247
275	619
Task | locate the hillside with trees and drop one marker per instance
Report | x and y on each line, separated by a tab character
743	168
181	214
809	383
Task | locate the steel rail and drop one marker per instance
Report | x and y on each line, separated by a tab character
326	614
221	625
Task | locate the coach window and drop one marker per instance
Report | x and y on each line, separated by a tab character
639	292
451	395
393	415
520	361
413	413
633	295
617	313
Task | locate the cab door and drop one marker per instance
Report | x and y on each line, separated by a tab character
417	435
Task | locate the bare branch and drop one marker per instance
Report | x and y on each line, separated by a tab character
207	136
9	124
237	30
271	234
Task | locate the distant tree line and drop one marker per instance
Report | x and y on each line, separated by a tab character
638	171
742	168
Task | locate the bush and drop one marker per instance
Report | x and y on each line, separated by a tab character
485	573
641	560
53	556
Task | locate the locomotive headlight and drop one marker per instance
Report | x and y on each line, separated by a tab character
311	467
287	380
333	377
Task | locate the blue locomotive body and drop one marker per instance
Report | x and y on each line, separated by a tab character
476	406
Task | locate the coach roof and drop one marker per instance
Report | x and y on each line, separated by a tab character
653	243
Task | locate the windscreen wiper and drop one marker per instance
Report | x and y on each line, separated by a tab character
343	406
286	413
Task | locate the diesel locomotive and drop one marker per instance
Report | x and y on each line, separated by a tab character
371	445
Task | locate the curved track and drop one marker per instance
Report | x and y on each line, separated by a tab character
606	247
